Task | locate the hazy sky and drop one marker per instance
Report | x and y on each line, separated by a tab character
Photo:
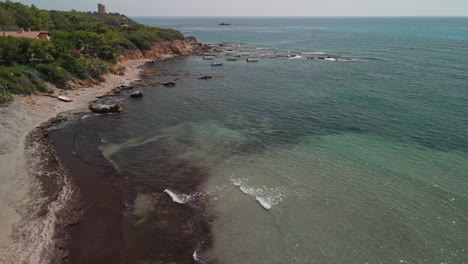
265	7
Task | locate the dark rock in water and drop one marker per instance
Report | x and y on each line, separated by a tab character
103	109
205	77
116	108
321	58
137	94
169	84
224	24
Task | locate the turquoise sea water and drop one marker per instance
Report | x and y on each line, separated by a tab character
359	160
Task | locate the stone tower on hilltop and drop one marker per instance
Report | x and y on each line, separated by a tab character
101	9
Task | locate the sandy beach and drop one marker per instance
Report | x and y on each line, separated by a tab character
28	225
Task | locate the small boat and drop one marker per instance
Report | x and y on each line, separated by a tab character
217	64
252	60
65	99
208	57
231	59
224	24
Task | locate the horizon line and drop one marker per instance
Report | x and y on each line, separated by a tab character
279	16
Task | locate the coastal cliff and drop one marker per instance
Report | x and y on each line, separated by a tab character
165	50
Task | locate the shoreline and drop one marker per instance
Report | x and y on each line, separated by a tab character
38	198
35	187
116	212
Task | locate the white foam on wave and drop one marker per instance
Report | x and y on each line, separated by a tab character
266	197
264	202
237	182
87	116
296	57
178	198
195	256
331	59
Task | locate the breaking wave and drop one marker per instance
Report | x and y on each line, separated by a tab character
265	196
178	198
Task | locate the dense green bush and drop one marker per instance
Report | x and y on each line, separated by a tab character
5	95
95	67
23	49
76	67
20	79
54	74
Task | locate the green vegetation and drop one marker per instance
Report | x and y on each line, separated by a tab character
19	79
84	45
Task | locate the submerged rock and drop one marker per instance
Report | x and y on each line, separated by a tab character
137	94
205	77
169	84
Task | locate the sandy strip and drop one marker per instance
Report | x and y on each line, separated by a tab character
18	189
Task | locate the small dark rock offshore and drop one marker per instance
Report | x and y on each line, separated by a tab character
104	109
169	84
137	94
207	77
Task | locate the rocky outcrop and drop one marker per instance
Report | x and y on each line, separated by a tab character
166	50
103	109
137	94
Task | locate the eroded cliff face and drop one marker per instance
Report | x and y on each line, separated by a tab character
165	50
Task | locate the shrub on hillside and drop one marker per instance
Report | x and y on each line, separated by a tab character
54	74
19	79
5	95
96	67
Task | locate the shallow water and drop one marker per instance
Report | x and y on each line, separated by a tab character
360	160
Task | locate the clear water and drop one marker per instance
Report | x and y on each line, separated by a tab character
307	161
